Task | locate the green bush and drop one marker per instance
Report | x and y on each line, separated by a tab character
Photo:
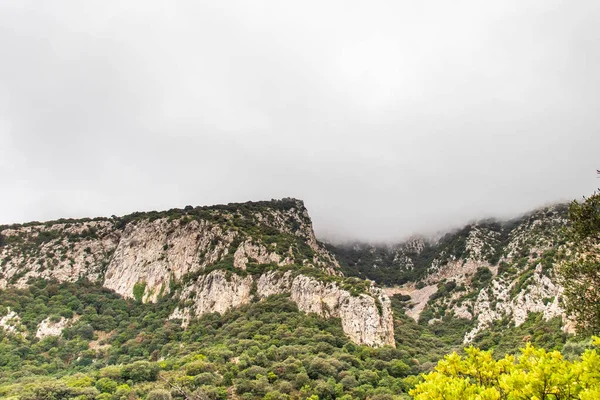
106	385
140	371
159	394
138	291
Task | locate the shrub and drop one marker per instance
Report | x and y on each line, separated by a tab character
534	374
159	394
138	291
140	371
106	385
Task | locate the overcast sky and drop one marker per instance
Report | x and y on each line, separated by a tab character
387	118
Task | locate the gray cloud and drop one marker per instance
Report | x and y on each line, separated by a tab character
387	118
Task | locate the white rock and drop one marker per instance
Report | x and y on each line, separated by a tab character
48	328
10	322
362	319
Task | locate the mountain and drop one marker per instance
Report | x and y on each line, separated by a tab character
242	301
205	259
490	275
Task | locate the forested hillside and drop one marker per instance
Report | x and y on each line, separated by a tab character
121	349
242	301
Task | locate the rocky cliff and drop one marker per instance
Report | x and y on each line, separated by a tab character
208	259
489	272
366	316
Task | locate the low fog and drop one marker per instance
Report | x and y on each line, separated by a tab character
388	118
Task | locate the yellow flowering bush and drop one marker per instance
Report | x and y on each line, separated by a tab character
535	374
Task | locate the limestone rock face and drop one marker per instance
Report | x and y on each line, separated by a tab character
419	298
62	251
493	271
259	254
10	322
49	328
199	256
218	292
297	222
154	253
542	295
366	318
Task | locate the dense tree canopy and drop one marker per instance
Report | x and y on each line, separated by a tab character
118	349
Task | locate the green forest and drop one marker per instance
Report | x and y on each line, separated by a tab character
125	349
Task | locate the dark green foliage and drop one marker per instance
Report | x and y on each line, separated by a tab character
505	268
259	269
454	244
240	218
99	309
481	278
55	391
549	258
353	285
140	371
451	330
443	290
46	236
580	274
522	283
504	338
267	348
585	217
402	297
425	344
106	385
55	222
379	263
138	291
244	212
120	349
226	264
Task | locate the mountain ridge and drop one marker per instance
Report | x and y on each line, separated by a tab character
481	273
238	285
215	258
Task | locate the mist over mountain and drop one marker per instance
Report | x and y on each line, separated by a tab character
387	118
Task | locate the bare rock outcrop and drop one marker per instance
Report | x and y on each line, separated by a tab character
249	251
51	328
62	251
153	253
218	291
541	295
10	322
366	318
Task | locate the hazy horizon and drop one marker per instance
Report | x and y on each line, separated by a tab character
388	119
